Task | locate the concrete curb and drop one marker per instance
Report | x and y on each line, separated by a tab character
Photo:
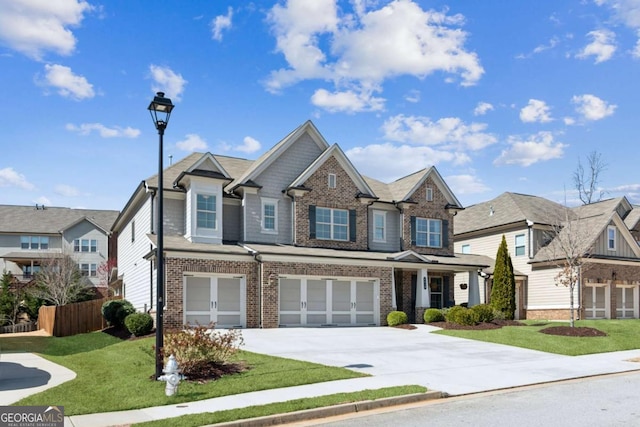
332	411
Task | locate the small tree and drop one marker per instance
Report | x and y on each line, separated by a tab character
588	185
8	301
104	273
59	281
503	289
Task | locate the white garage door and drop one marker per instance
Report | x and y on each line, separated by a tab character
626	302
328	302
596	302
218	299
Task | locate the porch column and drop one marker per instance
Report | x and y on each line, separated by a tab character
474	289
423	294
394	305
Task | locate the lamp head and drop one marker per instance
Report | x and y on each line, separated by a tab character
160	109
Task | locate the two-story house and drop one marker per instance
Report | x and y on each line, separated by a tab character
534	228
297	237
30	235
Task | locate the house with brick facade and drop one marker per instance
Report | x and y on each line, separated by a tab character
297	237
603	233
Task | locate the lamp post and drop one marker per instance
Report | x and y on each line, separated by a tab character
160	109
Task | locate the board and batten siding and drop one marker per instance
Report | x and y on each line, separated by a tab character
623	249
231	229
544	294
133	268
273	180
392	231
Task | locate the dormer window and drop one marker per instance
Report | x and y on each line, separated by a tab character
429	194
206	216
332	180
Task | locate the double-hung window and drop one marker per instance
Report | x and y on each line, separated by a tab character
89	270
429	232
332	224
379	226
85	245
34	242
269	215
206	211
520	245
611	238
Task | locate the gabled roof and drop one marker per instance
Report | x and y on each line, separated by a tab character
404	188
207	166
50	220
633	219
334	151
620	204
508	208
270	156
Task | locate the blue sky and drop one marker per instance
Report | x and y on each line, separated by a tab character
499	95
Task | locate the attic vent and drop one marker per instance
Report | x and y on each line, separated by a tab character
491	211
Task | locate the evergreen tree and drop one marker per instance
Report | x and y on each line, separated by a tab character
503	289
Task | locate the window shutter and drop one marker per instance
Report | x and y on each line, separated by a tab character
445	233
312	222
352	225
413	230
445	292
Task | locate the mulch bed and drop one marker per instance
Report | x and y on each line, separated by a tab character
565	331
576	331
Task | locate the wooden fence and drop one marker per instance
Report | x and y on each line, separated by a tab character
72	319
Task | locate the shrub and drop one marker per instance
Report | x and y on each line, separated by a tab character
396	318
139	324
499	315
433	315
483	313
461	316
198	346
116	310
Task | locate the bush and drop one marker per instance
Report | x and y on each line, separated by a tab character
195	347
483	313
461	316
396	318
433	315
139	324
499	315
116	310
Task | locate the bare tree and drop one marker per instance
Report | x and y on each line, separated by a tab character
104	273
569	249
588	185
59	280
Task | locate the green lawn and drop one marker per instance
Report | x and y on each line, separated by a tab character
114	375
621	335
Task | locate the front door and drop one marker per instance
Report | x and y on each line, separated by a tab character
218	299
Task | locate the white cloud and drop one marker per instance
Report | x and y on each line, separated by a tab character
592	108
602	47
373	160
192	142
220	23
10	178
536	148
68	84
249	145
35	27
466	184
42	200
569	121
482	108
359	51
66	190
347	101
167	81
450	132
535	111
553	42
103	131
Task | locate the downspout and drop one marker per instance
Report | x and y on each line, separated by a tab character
530	238
151	280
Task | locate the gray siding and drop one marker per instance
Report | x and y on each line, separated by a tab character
276	178
174	222
392	243
86	230
231	228
11	243
622	247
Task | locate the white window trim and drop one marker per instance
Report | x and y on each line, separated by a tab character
429	194
467	247
265	202
332	180
383	214
516	246
615	238
215	211
332	224
428	233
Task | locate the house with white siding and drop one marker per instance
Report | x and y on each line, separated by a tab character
31	235
297	237
534	227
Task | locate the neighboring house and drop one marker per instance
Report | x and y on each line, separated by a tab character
31	235
603	232
295	238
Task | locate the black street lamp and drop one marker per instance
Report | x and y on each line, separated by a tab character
160	109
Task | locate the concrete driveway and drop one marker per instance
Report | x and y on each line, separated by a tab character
452	365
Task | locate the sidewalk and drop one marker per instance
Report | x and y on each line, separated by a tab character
392	356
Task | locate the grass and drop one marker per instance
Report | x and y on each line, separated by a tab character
621	335
114	375
281	408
